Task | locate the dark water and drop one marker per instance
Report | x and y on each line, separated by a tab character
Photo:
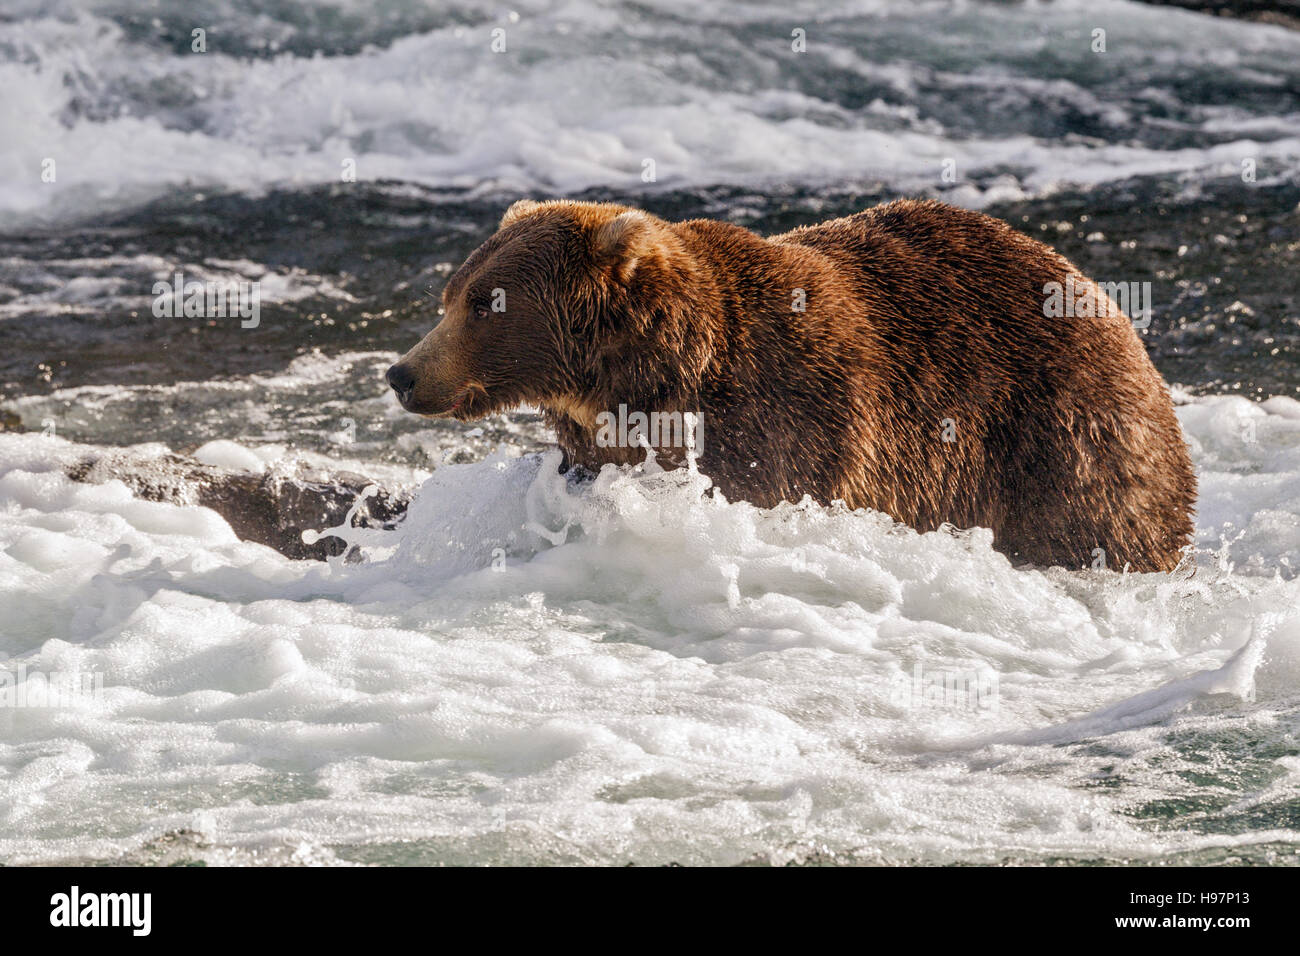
1224	269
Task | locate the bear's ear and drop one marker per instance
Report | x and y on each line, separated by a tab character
623	241
517	211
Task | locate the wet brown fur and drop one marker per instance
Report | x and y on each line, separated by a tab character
919	317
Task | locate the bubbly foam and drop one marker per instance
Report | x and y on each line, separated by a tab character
534	670
1016	101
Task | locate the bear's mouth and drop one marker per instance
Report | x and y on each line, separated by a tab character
451	410
459	407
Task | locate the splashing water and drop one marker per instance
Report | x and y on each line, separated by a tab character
533	668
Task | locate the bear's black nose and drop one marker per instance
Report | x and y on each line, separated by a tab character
403	381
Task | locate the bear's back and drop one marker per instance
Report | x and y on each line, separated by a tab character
1056	431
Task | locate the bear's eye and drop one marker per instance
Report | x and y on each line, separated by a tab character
481	311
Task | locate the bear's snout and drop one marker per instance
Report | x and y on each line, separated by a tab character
402	379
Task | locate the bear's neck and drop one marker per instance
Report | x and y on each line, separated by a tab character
715	341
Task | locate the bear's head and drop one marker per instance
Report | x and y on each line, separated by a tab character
555	310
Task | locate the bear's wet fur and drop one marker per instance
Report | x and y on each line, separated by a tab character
899	359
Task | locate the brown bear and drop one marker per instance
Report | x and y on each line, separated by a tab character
902	359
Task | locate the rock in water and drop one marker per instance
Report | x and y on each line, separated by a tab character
272	509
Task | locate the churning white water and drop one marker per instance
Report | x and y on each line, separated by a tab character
634	670
581	95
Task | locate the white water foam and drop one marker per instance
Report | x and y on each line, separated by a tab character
529	670
583	95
